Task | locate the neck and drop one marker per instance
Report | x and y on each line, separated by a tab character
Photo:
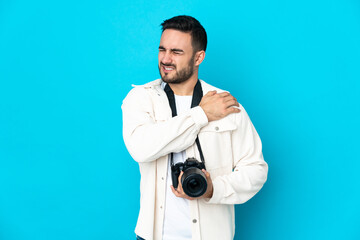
185	88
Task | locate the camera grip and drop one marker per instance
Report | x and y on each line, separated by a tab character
175	173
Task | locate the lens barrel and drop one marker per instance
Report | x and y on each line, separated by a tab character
194	182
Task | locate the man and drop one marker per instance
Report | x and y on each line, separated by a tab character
160	129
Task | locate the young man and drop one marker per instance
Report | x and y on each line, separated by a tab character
162	121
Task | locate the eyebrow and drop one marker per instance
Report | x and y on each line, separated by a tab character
172	49
177	50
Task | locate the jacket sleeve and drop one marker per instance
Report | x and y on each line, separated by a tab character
147	139
250	170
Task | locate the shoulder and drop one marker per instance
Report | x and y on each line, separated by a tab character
152	84
206	87
144	90
232	121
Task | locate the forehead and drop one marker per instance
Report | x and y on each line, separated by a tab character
172	38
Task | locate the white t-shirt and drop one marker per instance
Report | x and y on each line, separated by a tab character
177	223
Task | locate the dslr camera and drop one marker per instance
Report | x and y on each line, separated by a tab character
193	180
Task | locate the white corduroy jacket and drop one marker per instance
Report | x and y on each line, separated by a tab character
232	150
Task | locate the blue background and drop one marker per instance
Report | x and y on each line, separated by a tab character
65	67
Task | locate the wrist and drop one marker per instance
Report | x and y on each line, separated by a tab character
199	115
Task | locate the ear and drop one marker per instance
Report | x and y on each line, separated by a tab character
199	57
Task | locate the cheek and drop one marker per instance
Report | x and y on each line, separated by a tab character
161	56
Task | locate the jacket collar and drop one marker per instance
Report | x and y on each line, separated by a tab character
159	84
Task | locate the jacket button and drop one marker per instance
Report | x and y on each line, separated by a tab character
217	128
194	221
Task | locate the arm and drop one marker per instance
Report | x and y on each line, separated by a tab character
147	140
250	169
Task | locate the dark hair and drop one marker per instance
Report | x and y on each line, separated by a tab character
187	24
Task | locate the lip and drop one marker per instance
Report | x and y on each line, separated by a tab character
167	69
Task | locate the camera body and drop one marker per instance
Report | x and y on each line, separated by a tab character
193	180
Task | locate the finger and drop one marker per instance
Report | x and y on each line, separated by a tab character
224	94
179	188
232	109
207	174
180	175
229	98
210	93
181	195
232	103
174	191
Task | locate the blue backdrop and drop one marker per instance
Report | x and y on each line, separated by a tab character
65	67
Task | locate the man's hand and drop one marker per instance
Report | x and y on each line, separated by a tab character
179	192
218	105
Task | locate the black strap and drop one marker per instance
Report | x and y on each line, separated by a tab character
197	96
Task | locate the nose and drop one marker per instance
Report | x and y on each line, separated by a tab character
166	57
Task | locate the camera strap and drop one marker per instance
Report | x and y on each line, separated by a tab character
196	98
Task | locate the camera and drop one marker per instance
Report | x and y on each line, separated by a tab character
193	180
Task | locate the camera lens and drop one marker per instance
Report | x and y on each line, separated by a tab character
194	182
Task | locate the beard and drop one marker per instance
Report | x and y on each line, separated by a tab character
180	76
